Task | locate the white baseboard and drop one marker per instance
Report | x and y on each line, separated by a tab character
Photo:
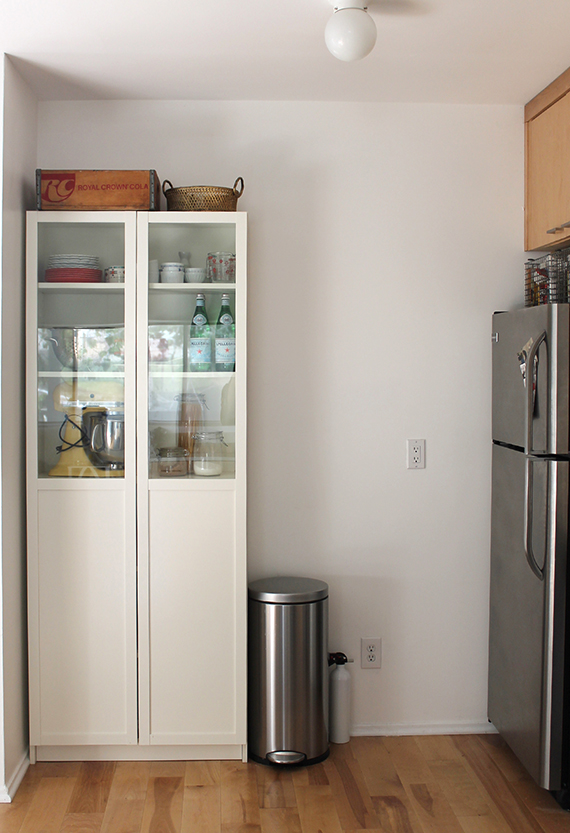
8	791
386	729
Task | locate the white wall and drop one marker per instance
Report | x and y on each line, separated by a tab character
382	237
19	153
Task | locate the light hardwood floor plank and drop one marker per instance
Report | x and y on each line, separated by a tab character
163	806
274	787
496	748
280	820
433	809
239	802
127	797
317	810
202	809
551	817
202	773
352	799
92	787
408	761
48	806
461	790
376	765
396	815
437	748
515	814
391	803
82	823
310	776
12	815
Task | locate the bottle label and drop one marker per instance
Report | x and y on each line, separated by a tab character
226	319
225	350
200	350
199	320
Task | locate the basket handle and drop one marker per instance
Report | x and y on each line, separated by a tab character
164	183
235	190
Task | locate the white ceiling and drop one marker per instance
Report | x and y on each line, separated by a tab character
472	51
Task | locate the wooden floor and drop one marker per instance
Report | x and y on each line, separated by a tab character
444	784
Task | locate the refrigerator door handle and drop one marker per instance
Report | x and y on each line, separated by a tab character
530	391
528	512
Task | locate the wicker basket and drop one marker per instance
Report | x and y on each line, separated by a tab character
202	197
546	280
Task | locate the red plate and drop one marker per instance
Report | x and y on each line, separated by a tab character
73	275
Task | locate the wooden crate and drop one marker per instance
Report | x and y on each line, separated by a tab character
97	190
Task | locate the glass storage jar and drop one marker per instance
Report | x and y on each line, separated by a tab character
173	462
191	408
208	453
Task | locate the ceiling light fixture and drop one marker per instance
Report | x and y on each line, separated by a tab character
350	33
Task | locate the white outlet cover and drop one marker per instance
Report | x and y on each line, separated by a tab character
416	454
371	652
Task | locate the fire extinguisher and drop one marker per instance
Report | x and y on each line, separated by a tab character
339	701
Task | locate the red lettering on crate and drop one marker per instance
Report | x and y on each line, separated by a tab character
58	187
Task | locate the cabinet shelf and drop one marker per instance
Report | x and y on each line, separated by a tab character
223	483
81	374
188	374
191	287
80	287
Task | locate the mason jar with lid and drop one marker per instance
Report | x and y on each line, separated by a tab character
209	453
191	411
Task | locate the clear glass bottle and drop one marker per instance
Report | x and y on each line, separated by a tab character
225	338
208	453
200	338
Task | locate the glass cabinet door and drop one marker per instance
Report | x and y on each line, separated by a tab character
80	358
192	332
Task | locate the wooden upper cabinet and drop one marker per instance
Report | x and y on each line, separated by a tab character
547	186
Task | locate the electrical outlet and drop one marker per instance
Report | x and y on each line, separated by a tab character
371	652
416	454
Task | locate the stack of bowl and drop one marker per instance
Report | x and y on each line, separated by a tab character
172	272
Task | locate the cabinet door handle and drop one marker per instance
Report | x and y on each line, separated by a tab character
558	229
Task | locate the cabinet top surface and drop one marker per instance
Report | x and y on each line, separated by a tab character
205	217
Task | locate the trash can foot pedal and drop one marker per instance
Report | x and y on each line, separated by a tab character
286	757
302	760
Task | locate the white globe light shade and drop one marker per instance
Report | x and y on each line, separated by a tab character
350	34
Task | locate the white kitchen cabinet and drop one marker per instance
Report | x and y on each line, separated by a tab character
137	571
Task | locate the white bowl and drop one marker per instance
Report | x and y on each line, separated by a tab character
194	274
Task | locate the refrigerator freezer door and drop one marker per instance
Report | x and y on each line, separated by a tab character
527	611
516	336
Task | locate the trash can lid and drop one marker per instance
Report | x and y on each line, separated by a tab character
288	590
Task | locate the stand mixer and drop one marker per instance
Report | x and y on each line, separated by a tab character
85	403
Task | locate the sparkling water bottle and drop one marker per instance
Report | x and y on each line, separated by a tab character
225	338
200	338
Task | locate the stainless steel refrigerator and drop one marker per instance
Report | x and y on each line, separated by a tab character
529	655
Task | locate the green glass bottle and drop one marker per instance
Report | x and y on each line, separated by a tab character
225	338
200	338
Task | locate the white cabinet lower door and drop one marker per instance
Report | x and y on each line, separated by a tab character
196	664
85	687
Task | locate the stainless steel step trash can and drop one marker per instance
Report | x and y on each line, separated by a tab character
288	670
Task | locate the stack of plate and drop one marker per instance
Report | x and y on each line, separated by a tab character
73	269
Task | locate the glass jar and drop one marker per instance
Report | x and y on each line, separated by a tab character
191	408
209	453
221	267
173	462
